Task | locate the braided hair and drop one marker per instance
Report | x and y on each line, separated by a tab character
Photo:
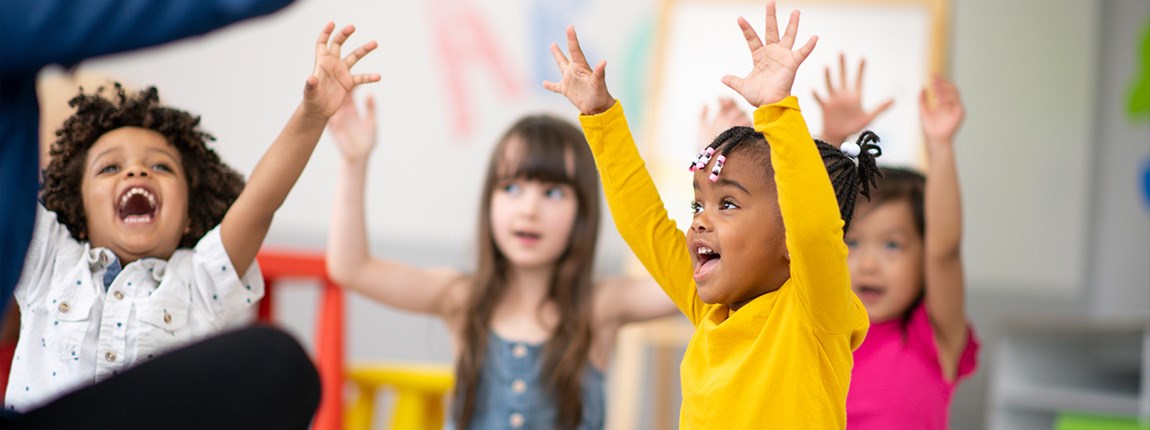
849	176
212	185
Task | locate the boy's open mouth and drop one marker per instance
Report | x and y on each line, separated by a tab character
137	205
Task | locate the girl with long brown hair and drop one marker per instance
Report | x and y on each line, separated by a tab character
533	330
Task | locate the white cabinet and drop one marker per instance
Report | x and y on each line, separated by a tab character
1085	365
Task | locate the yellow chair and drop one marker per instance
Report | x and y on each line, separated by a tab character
420	391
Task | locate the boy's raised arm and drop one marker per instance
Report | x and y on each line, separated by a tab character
246	224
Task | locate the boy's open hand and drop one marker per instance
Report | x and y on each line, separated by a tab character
775	64
584	87
332	79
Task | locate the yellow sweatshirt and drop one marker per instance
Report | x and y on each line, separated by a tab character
783	360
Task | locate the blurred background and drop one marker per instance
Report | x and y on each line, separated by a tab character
1054	159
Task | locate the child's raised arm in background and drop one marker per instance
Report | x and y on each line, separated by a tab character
533	331
151	239
906	266
843	114
726	116
762	271
945	283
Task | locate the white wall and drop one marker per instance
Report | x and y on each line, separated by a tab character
1120	210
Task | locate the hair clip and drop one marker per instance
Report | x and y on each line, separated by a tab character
702	159
718	168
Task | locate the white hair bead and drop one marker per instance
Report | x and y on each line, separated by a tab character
851	149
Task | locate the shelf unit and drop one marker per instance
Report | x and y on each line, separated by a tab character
1048	366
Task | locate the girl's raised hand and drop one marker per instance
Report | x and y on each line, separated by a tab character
353	134
940	120
586	88
843	114
332	80
775	64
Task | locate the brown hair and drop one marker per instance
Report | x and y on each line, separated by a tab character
212	185
547	146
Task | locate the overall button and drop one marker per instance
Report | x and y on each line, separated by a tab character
516	420
110	356
119	295
64	307
518	386
167	318
519	351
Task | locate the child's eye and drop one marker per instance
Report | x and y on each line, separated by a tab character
727	204
696	207
852	244
555	193
162	168
511	188
893	246
111	168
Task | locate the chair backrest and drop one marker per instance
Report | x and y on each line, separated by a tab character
280	265
420	391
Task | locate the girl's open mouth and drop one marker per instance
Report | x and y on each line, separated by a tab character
869	293
706	259
527	237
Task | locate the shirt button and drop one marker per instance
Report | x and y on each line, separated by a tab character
518	386
64	307
516	420
519	351
110	356
167	318
119	295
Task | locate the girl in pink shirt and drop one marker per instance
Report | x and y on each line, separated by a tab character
906	267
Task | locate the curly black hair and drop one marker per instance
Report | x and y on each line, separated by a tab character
849	177
212	185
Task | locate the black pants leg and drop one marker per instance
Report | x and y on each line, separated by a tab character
254	378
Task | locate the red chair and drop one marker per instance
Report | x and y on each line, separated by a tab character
279	265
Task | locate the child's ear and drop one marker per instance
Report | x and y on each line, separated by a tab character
787	255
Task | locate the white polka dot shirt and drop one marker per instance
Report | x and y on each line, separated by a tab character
75	330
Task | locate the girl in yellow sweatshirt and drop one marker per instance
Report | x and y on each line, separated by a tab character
762	272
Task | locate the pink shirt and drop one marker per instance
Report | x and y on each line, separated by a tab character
897	383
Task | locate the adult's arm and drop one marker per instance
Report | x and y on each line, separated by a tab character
36	33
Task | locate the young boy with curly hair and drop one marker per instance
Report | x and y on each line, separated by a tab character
146	240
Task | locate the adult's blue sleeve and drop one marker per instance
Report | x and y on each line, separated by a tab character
36	33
